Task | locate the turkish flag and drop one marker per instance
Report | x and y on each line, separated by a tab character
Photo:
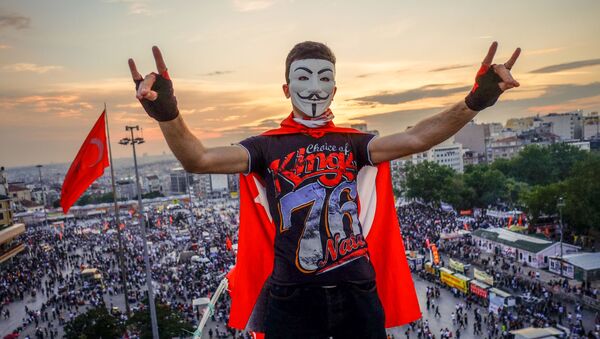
89	164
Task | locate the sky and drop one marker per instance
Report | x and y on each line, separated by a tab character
397	62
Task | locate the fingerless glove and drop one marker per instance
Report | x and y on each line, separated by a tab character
486	90
164	108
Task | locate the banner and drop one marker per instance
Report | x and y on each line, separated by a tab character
453	281
457	266
483	277
496	303
436	255
479	291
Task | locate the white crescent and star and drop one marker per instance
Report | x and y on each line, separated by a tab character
100	145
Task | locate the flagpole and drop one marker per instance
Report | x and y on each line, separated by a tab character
117	218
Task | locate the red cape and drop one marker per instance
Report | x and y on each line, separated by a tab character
380	226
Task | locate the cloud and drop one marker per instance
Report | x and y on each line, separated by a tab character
448	68
542	51
567	66
553	98
428	91
210	74
252	5
3	46
26	67
137	7
14	20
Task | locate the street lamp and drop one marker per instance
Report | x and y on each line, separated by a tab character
560	204
191	206
143	224
39	167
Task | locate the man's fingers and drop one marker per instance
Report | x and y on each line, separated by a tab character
507	79
490	55
160	62
152	95
134	72
510	63
146	86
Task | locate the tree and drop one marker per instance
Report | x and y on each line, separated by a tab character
542	200
504	165
428	181
170	322
151	195
533	165
515	190
563	158
582	195
95	323
458	194
488	184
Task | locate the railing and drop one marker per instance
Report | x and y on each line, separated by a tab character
14	250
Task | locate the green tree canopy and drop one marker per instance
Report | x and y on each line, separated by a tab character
428	181
488	184
96	323
582	195
170	322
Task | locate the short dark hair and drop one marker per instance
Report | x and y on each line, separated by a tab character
307	50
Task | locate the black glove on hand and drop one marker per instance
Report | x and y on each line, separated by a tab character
486	90
164	108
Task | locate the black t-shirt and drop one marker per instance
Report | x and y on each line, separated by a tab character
312	193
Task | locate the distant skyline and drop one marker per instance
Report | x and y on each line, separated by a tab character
397	62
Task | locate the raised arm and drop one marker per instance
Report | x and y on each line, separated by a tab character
490	82
155	93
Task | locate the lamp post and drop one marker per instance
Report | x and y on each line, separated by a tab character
560	205
39	167
190	184
143	224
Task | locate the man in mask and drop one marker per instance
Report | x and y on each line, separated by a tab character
322	281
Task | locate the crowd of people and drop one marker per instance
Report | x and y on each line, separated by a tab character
187	263
423	224
191	253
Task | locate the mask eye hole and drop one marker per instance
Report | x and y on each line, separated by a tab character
303	78
325	79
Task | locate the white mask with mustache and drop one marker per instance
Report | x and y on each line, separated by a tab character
312	82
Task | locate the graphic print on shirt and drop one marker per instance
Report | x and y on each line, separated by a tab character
329	199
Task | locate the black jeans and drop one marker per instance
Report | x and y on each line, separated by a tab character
344	311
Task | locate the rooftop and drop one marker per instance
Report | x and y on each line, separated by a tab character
513	239
587	261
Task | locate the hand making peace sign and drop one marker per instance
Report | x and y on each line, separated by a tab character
155	91
491	80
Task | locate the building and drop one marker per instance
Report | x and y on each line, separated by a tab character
591	126
473	158
152	184
18	191
530	250
567	126
505	148
579	266
582	145
363	128
473	137
127	189
10	245
495	129
180	180
520	124
447	155
234	182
